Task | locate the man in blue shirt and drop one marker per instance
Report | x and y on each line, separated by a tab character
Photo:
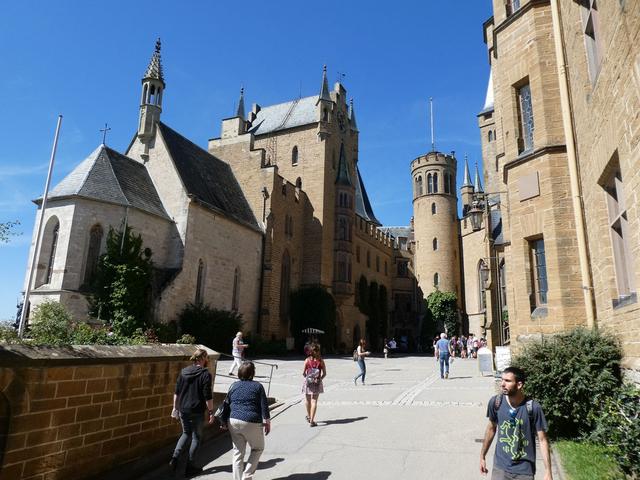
518	421
443	353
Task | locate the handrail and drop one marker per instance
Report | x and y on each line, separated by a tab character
272	365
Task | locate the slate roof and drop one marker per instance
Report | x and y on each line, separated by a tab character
296	113
363	206
399	232
109	176
207	178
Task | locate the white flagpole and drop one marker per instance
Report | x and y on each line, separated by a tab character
433	140
25	305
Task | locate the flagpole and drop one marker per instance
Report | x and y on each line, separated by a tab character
25	304
433	140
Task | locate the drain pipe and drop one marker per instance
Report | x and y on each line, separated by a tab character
576	193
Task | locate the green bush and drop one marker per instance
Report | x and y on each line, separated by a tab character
443	308
618	427
211	327
8	333
187	339
571	375
51	325
259	346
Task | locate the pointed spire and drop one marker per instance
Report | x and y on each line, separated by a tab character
240	111
352	116
154	70
343	177
477	186
466	182
324	92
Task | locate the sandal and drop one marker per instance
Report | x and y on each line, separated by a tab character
306	417
313	424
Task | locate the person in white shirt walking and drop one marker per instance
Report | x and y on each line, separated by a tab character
237	350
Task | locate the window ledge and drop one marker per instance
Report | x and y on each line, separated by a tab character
625	300
540	312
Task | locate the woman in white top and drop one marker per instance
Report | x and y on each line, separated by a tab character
361	352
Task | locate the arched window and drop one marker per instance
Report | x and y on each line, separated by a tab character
52	254
93	253
490	136
447	183
299	183
434	209
144	94
236	290
343	234
436	280
285	285
483	277
429	183
435	183
47	251
435	244
200	283
419	185
152	95
294	156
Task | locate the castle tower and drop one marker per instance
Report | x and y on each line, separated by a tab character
151	101
466	190
344	220
435	208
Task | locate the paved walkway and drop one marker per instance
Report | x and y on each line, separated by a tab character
404	424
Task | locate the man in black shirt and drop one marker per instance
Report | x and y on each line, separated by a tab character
192	397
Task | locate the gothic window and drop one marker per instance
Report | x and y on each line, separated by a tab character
447	183
525	118
435	244
434	209
52	252
200	283
419	185
236	290
490	136
144	93
429	183
47	251
152	94
435	183
299	183
483	277
619	233
285	285
436	280
93	253
592	40
538	272
294	156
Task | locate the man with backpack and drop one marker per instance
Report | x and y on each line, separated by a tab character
518	421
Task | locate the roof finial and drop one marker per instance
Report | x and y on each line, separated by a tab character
477	185
154	70
240	110
352	116
324	91
466	182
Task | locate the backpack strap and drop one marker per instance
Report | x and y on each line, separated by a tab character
530	409
497	401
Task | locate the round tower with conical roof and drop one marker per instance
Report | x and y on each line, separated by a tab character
435	211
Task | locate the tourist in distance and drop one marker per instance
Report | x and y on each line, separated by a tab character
518	421
443	354
193	396
361	352
237	350
248	416
313	371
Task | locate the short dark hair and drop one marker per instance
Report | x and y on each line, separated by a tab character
246	371
519	373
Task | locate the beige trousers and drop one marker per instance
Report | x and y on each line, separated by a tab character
242	433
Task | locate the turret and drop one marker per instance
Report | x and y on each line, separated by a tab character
236	125
466	190
325	107
153	87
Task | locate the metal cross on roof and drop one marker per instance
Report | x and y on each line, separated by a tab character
104	133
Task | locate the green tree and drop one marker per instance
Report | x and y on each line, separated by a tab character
121	290
6	230
444	310
313	307
51	325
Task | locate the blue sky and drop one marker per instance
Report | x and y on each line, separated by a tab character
84	60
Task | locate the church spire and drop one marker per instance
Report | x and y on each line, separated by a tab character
466	182
477	185
154	70
240	111
343	177
352	116
324	91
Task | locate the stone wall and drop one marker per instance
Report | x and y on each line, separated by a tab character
80	411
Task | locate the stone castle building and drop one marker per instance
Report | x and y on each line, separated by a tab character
276	203
554	241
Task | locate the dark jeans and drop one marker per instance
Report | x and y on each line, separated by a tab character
363	370
192	424
444	364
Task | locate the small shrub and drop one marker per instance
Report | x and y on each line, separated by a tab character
259	346
187	339
618	427
51	325
8	333
211	327
166	332
571	375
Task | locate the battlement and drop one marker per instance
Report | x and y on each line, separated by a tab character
433	159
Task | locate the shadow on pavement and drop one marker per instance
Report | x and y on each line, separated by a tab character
457	378
340	421
229	468
376	384
306	476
